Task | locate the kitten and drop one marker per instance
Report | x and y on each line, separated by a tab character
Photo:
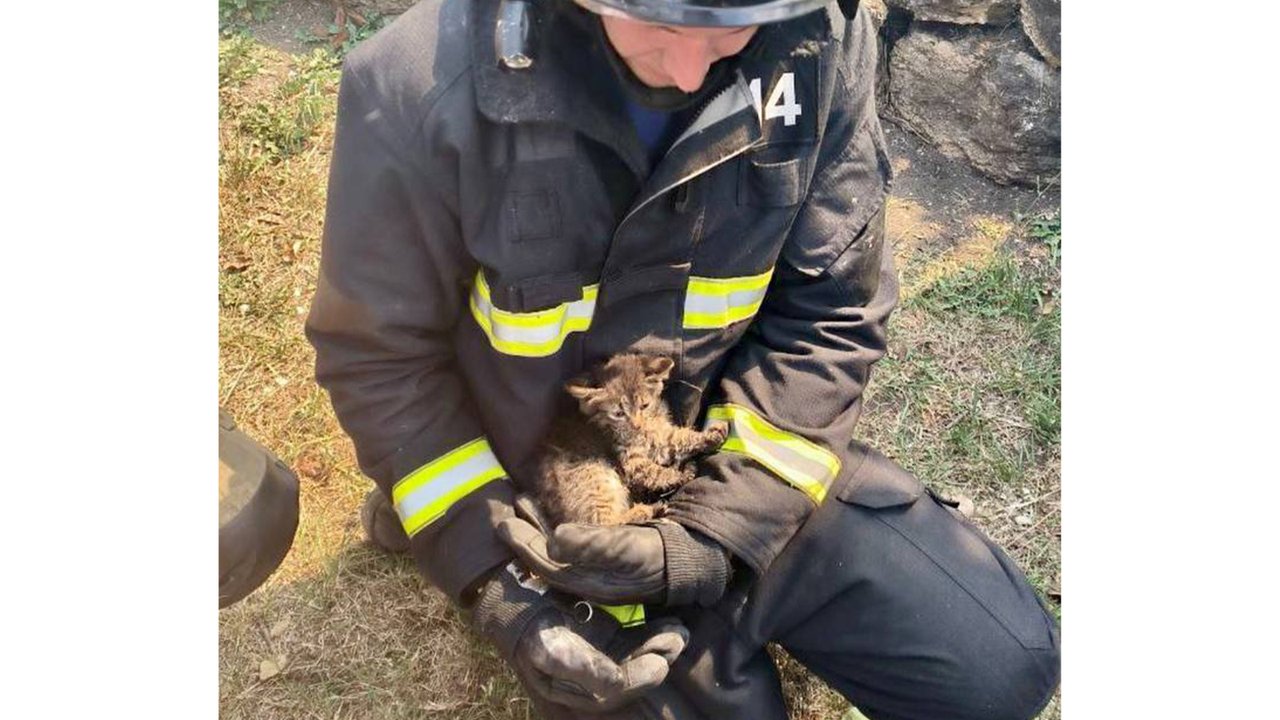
622	443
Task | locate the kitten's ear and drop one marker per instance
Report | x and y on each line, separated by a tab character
581	388
657	368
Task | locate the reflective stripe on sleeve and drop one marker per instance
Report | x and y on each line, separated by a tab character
425	494
805	465
712	303
533	334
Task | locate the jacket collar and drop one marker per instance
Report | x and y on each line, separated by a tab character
571	82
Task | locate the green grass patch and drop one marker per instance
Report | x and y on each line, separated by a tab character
277	124
234	15
998	290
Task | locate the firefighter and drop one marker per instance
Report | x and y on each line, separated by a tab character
523	188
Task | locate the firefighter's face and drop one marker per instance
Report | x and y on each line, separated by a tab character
667	55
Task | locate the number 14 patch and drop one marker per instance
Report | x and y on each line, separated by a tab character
785	93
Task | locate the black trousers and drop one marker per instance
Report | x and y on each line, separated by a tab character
892	598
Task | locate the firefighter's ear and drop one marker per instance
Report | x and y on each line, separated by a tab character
581	388
658	368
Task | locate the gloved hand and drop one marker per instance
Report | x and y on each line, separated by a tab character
661	564
591	666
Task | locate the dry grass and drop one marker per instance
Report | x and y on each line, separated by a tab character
967	399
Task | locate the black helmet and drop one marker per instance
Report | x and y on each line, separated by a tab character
707	13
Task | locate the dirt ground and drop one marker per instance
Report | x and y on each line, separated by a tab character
967	398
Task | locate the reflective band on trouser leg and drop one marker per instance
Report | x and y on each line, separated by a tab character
626	615
422	496
534	334
719	302
805	465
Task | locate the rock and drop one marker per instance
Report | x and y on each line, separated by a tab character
983	95
878	11
1042	21
382	7
892	24
961	12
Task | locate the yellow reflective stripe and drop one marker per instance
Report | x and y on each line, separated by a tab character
533	334
425	494
712	303
807	466
724	286
626	615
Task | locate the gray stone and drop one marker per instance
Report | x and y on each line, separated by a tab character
981	94
1042	20
382	7
877	10
961	12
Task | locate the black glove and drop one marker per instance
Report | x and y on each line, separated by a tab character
591	665
661	564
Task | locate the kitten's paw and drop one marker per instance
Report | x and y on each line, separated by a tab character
640	513
716	435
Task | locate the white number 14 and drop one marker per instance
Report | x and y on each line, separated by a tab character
782	100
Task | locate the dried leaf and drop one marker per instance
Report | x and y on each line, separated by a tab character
268	669
310	466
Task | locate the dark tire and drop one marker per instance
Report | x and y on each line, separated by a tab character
257	512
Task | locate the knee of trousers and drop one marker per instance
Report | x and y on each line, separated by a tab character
1010	682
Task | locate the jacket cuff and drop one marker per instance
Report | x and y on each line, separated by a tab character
458	550
505	610
697	567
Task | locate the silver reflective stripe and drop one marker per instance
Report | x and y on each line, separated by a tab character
444	482
719	302
425	494
710	304
796	460
533	334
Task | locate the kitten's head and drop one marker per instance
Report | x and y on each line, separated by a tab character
621	394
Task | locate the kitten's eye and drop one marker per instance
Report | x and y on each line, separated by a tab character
644	404
616	413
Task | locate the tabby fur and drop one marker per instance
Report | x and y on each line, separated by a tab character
621	447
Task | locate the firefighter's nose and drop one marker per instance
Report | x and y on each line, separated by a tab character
687	63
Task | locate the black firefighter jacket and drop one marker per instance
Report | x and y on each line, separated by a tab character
492	233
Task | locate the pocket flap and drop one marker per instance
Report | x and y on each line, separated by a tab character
880	483
770	184
537	293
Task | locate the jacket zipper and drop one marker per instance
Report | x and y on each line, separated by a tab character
696	172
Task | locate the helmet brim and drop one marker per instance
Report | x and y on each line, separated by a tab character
704	13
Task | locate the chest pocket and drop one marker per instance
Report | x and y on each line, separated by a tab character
531	216
772	183
531	207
